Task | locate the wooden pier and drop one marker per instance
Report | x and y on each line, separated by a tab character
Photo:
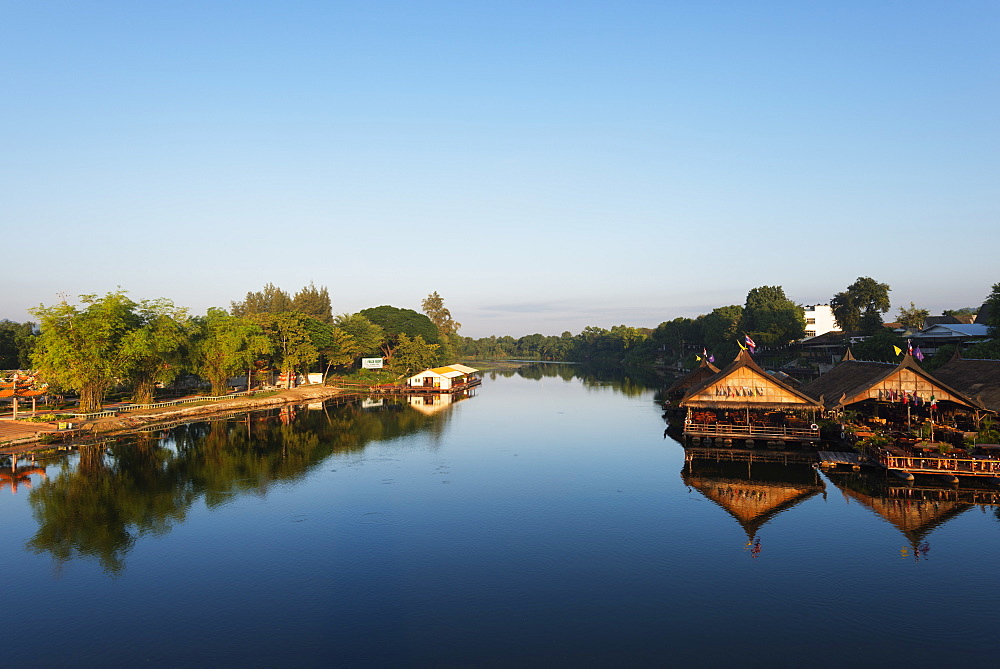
901	459
836	458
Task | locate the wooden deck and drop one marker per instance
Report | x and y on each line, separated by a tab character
762	432
835	458
898	458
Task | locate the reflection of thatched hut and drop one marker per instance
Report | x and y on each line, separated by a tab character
914	518
752	494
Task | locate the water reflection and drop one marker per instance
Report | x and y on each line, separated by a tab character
16	476
101	501
748	487
629	382
915	510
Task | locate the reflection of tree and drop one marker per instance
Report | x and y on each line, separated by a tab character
122	490
101	506
629	382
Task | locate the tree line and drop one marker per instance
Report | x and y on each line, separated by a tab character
113	342
107	343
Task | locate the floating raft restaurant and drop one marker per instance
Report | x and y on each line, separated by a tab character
450	379
744	402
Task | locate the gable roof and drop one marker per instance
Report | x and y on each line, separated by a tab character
979	379
696	376
854	381
743	384
953	330
463	368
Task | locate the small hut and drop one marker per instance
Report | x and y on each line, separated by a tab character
21	386
744	402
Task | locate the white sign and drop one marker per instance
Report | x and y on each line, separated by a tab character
371	363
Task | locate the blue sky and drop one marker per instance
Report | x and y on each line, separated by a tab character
542	165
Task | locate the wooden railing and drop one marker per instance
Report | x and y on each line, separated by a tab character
747	431
938	465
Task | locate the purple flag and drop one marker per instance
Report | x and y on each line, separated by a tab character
918	354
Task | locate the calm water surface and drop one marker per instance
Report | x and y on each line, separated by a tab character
545	521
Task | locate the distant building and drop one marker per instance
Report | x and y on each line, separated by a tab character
932	338
819	320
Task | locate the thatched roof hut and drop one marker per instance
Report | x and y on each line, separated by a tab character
979	379
744	385
696	376
854	381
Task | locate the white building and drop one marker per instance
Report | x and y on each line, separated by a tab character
819	320
442	378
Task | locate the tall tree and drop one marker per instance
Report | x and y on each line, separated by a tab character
156	347
912	317
290	341
85	349
993	312
16	342
225	346
770	318
864	296
336	348
410	355
367	336
433	306
270	300
314	302
720	329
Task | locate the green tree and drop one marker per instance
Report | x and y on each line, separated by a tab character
395	321
224	346
912	317
16	342
270	300
993	312
336	348
433	306
770	318
291	343
368	337
721	329
157	347
85	349
990	349
879	347
865	295
314	302
411	355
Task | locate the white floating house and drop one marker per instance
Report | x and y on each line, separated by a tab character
444	379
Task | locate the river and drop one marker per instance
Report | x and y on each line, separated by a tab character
547	520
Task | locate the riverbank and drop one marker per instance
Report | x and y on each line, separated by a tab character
20	437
